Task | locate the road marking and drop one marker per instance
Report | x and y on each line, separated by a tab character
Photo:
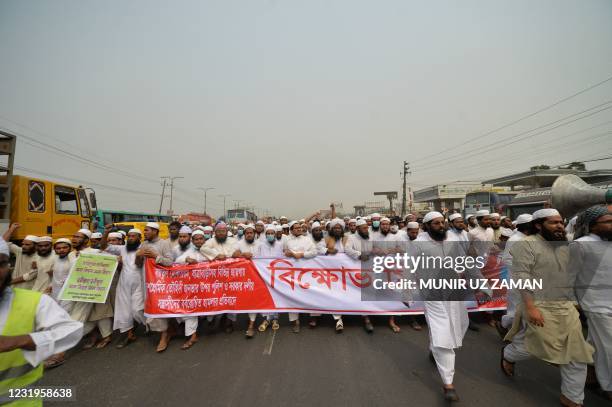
270	344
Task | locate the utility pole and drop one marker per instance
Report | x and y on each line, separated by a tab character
161	202
237	203
172	191
205	190
406	172
224	196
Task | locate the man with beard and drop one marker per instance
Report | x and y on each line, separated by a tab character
482	236
447	320
173	231
412	231
221	247
129	298
198	240
523	229
44	265
259	231
25	270
94	241
457	228
591	261
271	248
471	222
285	227
316	235
506	222
546	323
298	247
283	220
186	253
352	226
280	236
33	326
496	226
245	249
161	251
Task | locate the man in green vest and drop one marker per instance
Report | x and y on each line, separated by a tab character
32	328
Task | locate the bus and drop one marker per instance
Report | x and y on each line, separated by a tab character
105	217
44	207
240	216
493	201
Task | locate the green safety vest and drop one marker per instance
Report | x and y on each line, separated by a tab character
15	371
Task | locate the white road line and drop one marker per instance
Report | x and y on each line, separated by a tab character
270	344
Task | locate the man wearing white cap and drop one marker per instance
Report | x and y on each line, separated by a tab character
221	247
298	246
280	236
259	230
375	225
161	251
547	324
591	262
352	226
412	231
316	235
129	298
208	233
482	236
447	320
44	264
246	249
456	229
496	226
198	240
186	253
25	270
94	240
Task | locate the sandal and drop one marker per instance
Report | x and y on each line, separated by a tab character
53	362
339	326
250	332
505	371
90	342
190	342
416	326
275	325
264	325
395	328
104	342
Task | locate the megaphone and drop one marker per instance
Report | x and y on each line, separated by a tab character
570	195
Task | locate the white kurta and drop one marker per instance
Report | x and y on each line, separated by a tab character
357	245
181	256
267	250
212	248
301	244
54	331
129	299
513	297
61	269
23	266
43	279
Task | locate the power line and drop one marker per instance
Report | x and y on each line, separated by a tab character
565	99
434	163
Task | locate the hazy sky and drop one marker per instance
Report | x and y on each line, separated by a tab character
288	105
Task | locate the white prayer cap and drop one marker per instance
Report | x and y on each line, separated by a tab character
270	227
302	220
507	232
123	233
185	230
285	226
482	212
352	221
471	215
523	218
368	218
412	225
315	225
134	230
230	234
385	219
337	221
221	225
346	218
454	216
85	232
115	235
503	217
431	216
31	238
375	215
283	217
95	235
152	225
249	226
278	228
260	222
197	232
207	229
361	221
274	222
63	240
495	215
241	225
48	238
293	223
545	213
4	249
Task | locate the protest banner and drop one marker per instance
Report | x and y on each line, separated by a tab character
90	278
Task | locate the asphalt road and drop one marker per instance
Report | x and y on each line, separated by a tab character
313	368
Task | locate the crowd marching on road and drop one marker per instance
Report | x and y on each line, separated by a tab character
38	327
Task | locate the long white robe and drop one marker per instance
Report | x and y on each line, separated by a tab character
181	256
268	250
165	257
44	265
212	248
513	297
23	266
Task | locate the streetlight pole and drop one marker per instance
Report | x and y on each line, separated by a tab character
224	196
205	190
171	191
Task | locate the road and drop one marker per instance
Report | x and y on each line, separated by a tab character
315	367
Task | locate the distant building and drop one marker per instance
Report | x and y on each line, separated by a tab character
450	196
543	177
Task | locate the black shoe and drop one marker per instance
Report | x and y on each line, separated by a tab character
450	395
473	327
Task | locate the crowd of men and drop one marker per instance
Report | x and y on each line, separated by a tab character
533	326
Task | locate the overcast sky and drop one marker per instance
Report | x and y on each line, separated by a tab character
288	105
